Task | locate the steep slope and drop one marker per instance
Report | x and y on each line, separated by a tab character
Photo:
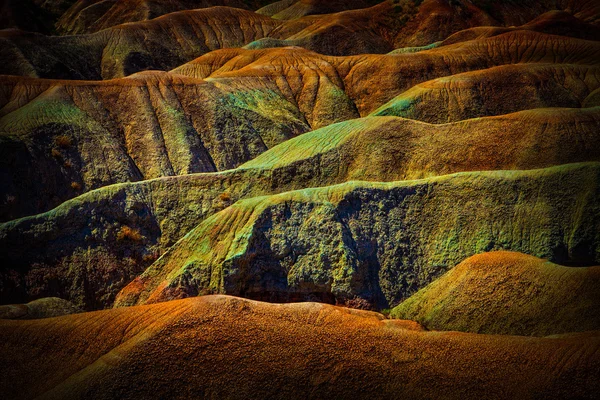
32	15
365	240
408	23
496	91
158	124
88	16
510	294
162	43
173	39
293	9
560	23
63	138
131	224
372	80
224	347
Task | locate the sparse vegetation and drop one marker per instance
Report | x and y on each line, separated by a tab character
76	185
359	303
55	153
63	141
225	197
128	233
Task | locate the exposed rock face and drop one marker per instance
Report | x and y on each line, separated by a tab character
511	294
225	347
437	157
88	16
293	9
173	39
124	49
372	80
379	242
60	139
79	241
47	307
64	138
518	87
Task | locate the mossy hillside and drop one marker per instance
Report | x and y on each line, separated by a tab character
163	124
495	91
51	152
389	148
405	50
378	241
76	247
79	235
170	40
371	81
147	126
509	294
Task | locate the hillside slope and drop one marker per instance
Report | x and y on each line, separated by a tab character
511	294
225	347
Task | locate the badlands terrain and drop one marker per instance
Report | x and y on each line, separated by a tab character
251	199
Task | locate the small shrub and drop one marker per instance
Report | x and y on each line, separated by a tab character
127	233
68	164
63	141
359	303
56	154
75	185
225	196
149	257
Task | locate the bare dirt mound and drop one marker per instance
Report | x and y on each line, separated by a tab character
225	347
511	294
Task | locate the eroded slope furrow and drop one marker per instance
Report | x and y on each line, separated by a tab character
88	16
377	242
495	91
109	235
370	81
76	136
173	39
162	43
64	138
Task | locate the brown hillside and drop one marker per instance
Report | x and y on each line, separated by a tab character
225	347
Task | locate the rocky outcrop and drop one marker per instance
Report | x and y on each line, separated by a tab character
370	81
125	49
78	250
64	138
232	105
293	9
509	294
80	241
173	39
88	16
365	239
224	347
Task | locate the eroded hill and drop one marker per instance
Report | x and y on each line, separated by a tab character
182	348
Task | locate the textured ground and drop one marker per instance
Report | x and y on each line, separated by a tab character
511	294
438	160
224	347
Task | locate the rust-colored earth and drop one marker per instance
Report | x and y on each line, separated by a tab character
399	170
